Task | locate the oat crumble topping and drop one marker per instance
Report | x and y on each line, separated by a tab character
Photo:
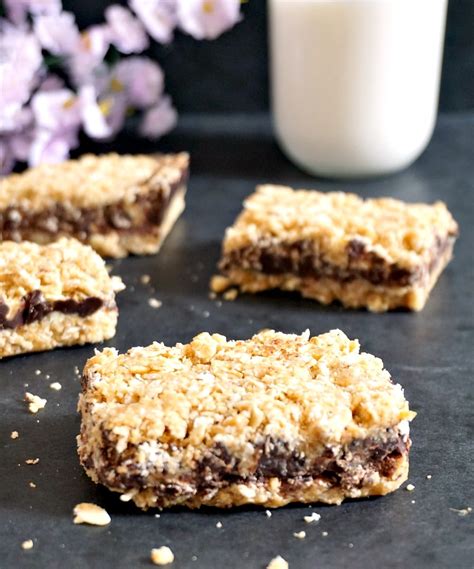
63	270
398	231
90	181
162	408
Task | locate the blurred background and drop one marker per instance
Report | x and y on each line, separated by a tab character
230	74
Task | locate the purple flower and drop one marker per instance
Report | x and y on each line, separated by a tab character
51	83
57	33
87	58
15	145
207	19
141	78
7	160
57	110
57	116
51	147
17	10
126	32
103	115
20	62
20	144
158	17
159	119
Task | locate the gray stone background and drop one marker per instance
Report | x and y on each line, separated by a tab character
230	74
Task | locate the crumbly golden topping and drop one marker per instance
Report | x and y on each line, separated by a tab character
306	390
396	231
66	269
91	181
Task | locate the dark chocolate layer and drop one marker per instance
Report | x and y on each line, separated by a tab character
301	259
35	307
17	223
348	468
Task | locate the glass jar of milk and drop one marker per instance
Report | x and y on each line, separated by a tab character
355	82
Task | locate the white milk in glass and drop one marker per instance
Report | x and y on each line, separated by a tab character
355	82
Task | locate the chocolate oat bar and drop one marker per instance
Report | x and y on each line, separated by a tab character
275	419
117	204
375	253
54	295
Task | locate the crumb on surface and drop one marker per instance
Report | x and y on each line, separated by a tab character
230	294
268	513
162	555
32	485
14	435
145	279
55	385
38	372
300	534
219	525
463	512
87	513
35	403
154	302
410	487
314	517
428	476
32	461
324	533
27	544
219	283
278	563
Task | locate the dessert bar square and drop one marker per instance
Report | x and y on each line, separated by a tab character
54	295
118	204
376	253
275	419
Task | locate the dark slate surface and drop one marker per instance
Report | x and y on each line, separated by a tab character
429	353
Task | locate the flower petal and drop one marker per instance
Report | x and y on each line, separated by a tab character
126	32
158	17
207	19
141	78
57	33
159	119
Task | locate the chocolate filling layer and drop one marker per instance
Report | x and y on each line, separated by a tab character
142	215
347	468
35	307
301	259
